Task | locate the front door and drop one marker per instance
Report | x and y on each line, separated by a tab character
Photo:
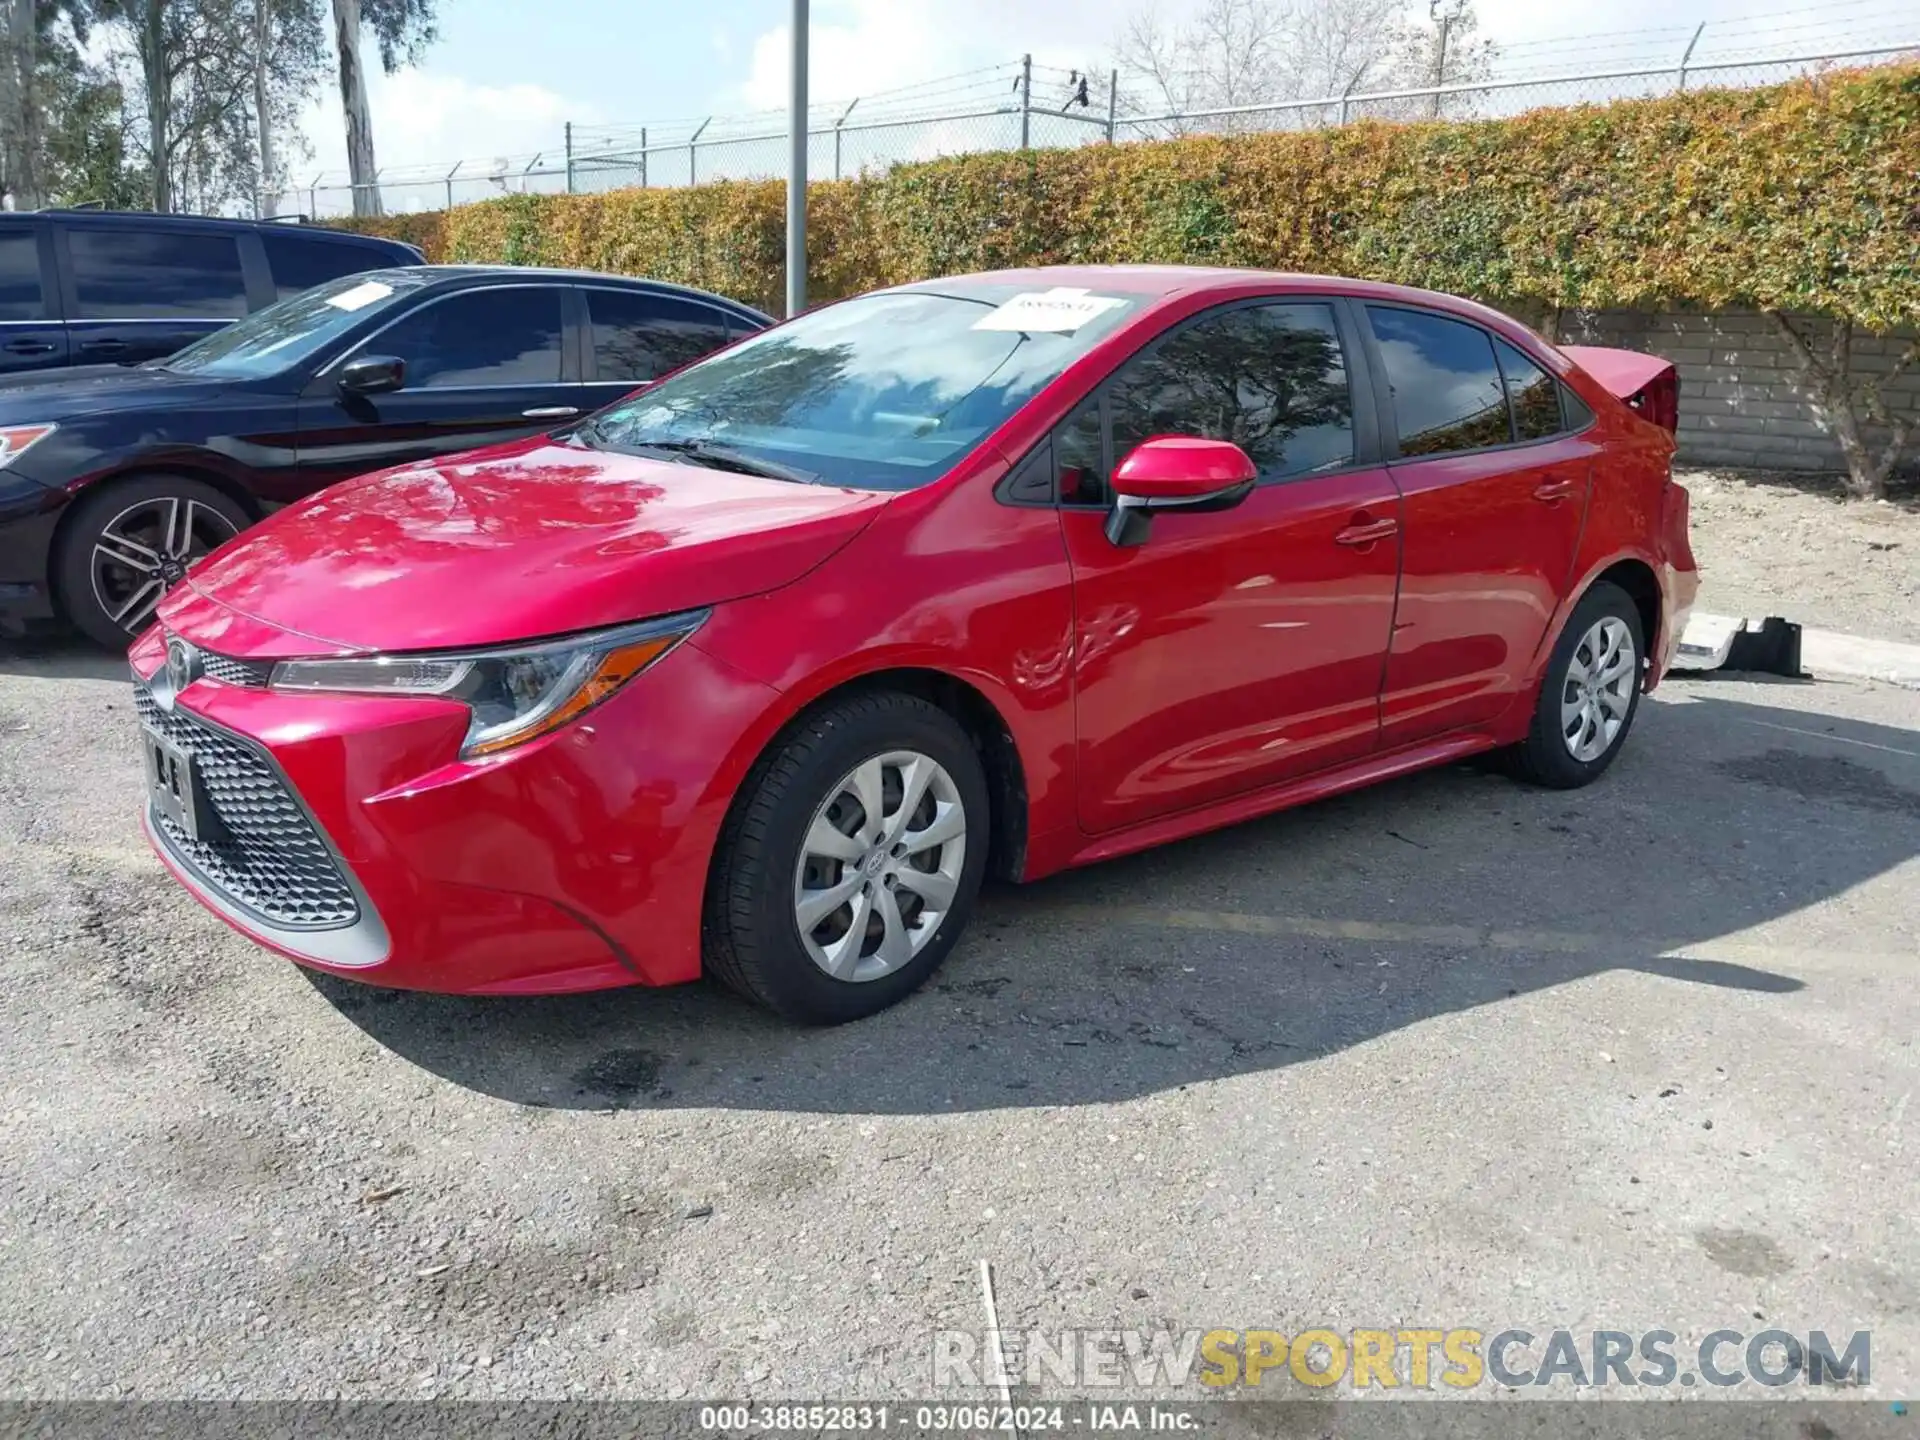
1239	649
481	366
1495	491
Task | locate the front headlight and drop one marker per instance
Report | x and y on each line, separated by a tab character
514	694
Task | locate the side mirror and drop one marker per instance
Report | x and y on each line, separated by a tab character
1176	472
373	375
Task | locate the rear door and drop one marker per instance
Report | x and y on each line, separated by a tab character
483	365
1494	486
140	292
1238	649
32	335
632	337
300	259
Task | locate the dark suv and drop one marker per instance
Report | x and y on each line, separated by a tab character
92	287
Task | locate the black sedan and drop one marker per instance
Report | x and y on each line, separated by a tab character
114	479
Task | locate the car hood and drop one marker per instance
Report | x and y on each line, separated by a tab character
521	542
47	395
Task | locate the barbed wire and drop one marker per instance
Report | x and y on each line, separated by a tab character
1005	105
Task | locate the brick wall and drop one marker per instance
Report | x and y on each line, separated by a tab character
1740	404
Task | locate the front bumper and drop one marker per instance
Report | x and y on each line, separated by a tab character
576	862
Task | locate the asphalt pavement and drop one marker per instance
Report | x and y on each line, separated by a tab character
1451	1052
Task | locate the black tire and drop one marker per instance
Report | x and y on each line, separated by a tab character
1544	757
72	567
751	939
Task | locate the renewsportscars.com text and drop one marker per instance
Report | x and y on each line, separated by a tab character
1459	1358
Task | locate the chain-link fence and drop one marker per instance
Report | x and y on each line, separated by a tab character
1042	107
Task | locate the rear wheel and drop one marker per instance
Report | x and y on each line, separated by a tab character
130	542
1590	695
851	861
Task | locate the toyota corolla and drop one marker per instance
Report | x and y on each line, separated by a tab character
760	671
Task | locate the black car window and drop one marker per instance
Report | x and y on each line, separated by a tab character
508	336
639	337
299	262
1447	392
129	274
21	297
1270	378
1533	394
1077	474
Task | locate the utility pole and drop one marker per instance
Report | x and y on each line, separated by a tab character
797	167
1113	102
1440	62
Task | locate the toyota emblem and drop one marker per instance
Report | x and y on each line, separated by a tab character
183	664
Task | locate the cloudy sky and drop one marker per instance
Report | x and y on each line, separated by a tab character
507	74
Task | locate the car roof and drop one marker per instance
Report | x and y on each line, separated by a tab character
451	274
1162	282
200	222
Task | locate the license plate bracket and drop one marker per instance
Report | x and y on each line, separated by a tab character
173	786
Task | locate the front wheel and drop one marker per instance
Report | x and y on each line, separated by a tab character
1590	695
851	861
128	543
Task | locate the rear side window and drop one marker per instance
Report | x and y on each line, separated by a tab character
300	262
21	297
640	337
1270	378
128	274
479	337
1533	394
1447	391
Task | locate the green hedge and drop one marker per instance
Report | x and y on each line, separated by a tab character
1803	196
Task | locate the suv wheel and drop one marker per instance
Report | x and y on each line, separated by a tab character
851	861
129	542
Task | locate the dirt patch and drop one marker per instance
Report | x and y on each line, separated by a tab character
1793	545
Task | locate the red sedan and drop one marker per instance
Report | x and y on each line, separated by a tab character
761	670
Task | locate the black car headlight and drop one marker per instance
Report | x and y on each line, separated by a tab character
514	693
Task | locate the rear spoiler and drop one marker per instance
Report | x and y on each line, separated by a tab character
1648	384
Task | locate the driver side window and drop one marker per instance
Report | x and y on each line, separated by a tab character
1270	378
509	336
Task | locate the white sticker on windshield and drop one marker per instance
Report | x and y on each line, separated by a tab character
360	296
1059	311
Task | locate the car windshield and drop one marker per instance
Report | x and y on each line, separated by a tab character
270	340
883	392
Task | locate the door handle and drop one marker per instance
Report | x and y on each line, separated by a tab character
1552	490
1366	532
28	347
550	412
105	347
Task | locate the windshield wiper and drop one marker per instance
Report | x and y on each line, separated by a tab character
723	457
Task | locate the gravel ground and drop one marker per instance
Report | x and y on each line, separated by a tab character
1793	545
1451	1051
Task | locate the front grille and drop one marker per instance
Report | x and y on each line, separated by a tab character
270	860
251	674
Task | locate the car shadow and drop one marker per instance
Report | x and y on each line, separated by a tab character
59	657
1271	943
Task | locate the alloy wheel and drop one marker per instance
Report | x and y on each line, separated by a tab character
145	550
880	865
1598	690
